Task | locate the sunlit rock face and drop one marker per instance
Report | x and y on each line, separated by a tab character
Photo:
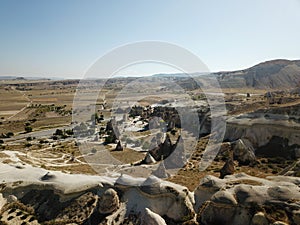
242	199
83	199
274	136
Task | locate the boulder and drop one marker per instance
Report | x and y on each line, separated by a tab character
119	147
259	219
243	151
11	198
227	169
149	159
221	209
224	197
208	186
216	213
108	201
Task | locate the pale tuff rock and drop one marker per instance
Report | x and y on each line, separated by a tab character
11	198
208	186
2	201
243	151
117	217
151	218
149	159
108	201
259	219
161	171
260	134
161	197
222	208
224	197
177	159
279	223
233	200
79	210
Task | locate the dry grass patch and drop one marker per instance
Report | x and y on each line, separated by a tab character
127	155
3	155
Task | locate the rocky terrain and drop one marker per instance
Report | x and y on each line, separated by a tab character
138	164
34	196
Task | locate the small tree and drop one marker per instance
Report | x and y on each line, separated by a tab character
28	129
10	134
29	138
58	132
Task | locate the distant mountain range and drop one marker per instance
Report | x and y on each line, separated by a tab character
274	74
28	78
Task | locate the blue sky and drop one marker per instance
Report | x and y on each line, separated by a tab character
61	38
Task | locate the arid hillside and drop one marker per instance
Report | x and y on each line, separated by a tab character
275	74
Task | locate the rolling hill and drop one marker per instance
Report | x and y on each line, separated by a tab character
274	74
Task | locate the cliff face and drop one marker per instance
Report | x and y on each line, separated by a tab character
271	136
82	199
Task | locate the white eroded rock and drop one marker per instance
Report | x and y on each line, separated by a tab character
2	201
243	151
151	218
279	223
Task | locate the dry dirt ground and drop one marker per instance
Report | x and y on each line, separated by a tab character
34	105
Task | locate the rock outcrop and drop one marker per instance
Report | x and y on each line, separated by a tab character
227	169
149	159
119	147
84	199
151	218
161	171
165	149
243	152
109	201
262	133
81	199
79	210
243	199
259	219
